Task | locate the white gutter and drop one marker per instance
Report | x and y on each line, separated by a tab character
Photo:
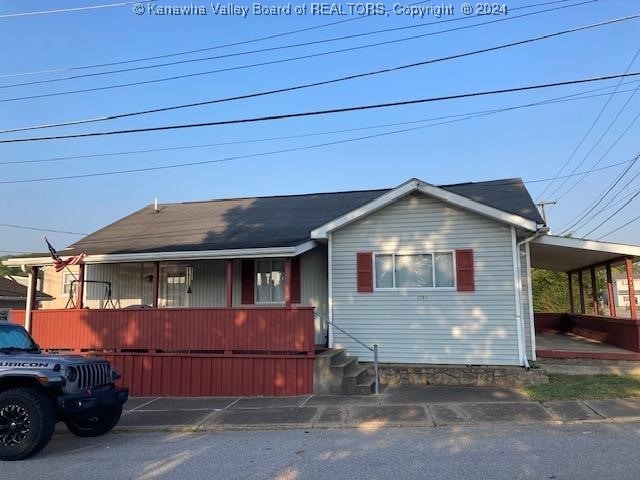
174	256
517	278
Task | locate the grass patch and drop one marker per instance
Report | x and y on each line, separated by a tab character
582	387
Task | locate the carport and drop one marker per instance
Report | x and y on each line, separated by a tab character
602	321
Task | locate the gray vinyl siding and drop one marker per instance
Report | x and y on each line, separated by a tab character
450	327
132	284
128	284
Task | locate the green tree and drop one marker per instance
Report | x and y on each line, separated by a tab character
550	291
8	270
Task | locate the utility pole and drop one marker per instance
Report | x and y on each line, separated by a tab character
543	212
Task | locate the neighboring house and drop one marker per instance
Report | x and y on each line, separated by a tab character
431	274
59	286
14	296
621	289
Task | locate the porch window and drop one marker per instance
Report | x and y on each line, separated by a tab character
176	288
422	270
270	281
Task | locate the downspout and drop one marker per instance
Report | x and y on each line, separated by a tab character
330	292
517	274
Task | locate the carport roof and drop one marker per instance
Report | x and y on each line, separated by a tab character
566	254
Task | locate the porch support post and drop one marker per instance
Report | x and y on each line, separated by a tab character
80	287
633	309
612	300
229	284
581	287
594	292
31	297
155	287
572	308
287	282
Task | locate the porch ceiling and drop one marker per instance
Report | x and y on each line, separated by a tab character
564	254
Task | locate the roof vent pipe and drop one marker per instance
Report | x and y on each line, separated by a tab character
155	205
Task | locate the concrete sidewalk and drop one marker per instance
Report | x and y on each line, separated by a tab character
430	406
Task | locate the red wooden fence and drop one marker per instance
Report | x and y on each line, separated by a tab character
190	352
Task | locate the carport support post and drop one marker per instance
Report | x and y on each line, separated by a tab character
612	300
572	307
581	287
229	284
594	292
31	297
633	308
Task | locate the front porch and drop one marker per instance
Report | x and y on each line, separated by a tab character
601	321
250	351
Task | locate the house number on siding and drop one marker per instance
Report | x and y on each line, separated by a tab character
422	298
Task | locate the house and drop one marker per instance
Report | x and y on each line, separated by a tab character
430	274
60	286
13	295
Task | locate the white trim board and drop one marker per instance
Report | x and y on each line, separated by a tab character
416	185
168	256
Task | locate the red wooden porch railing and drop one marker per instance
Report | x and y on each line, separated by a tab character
193	352
620	332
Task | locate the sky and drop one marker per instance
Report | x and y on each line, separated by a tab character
532	143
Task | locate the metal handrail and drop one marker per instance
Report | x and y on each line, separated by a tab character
373	349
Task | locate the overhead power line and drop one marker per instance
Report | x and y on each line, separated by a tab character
306	147
261	50
323	112
279	61
610	217
215	47
69	10
586	134
600	138
327	82
617	229
584	214
37	229
565	98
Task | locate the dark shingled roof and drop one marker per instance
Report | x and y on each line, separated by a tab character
278	221
9	288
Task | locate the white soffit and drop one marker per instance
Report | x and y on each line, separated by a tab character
564	254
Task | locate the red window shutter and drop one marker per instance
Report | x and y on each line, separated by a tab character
248	282
295	280
364	268
464	270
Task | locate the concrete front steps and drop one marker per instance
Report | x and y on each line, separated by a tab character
338	373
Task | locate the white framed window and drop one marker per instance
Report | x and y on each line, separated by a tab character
424	270
269	281
176	285
67	279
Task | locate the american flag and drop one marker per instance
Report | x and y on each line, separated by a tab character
59	263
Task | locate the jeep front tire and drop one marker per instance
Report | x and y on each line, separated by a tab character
27	421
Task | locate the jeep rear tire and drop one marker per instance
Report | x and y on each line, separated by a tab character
94	426
27	421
